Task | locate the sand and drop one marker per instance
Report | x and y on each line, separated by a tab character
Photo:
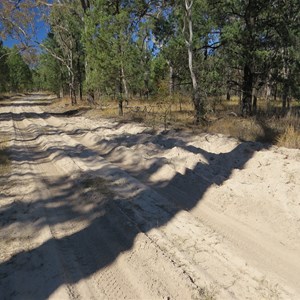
97	209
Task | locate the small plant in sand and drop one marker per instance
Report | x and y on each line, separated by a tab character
4	157
208	293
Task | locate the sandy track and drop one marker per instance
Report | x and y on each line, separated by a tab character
96	209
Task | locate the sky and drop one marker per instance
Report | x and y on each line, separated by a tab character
41	28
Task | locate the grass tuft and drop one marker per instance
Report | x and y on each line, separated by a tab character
4	157
290	138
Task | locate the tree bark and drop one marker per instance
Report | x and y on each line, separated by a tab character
120	96
275	92
246	105
228	95
124	82
188	31
79	70
86	5
171	79
285	94
286	77
72	79
254	100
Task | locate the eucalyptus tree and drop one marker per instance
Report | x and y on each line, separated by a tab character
66	25
187	32
16	20
254	34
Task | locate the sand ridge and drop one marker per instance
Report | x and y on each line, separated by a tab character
97	209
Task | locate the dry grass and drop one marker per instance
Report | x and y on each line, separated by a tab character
243	129
222	117
290	138
276	130
61	103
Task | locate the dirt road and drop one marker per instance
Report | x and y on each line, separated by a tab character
95	209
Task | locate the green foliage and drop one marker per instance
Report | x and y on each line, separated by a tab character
112	54
126	48
50	74
4	69
20	76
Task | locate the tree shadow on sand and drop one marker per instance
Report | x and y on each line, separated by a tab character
111	225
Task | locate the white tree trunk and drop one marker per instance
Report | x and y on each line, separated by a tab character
188	33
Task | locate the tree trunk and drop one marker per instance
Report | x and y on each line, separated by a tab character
124	82
171	79
73	90
268	90
79	80
285	94
73	94
145	62
246	105
254	100
228	95
188	31
275	93
120	104
120	96
286	76
86	5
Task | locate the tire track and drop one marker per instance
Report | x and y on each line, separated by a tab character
238	235
118	280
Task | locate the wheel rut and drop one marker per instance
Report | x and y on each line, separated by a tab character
96	222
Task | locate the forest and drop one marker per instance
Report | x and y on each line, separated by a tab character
207	51
150	149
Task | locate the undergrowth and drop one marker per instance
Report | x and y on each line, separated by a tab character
222	117
4	156
290	138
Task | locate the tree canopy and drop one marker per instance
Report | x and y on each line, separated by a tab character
125	48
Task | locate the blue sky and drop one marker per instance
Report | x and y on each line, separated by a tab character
41	33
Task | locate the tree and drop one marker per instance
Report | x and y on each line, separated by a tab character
185	32
288	58
111	49
51	74
188	32
16	20
252	33
20	76
66	26
4	69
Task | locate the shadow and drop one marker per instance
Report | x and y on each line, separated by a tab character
22	104
43	115
22	116
71	112
4	97
111	222
197	180
26	100
270	135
